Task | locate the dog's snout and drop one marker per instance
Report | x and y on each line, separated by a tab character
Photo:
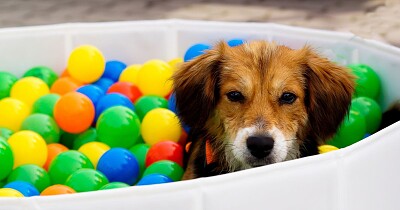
260	146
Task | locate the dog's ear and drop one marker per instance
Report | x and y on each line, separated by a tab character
196	87
330	88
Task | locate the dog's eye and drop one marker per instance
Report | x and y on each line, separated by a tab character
287	98
235	96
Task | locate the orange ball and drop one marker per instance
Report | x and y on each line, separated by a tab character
57	189
64	85
52	151
74	112
65	73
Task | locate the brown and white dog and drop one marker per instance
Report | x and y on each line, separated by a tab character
258	103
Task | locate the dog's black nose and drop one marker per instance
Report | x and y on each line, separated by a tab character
260	146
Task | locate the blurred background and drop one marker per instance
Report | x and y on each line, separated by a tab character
375	19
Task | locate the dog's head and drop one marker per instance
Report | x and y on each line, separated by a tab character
259	102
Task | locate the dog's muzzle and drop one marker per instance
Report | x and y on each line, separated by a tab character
260	146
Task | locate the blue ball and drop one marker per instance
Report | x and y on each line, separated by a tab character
195	50
235	42
93	92
119	165
25	188
154	179
113	70
110	100
172	102
104	83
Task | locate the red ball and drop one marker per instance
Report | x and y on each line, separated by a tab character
165	150
126	88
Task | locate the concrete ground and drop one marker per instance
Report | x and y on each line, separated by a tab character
376	19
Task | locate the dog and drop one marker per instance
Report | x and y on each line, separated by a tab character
258	103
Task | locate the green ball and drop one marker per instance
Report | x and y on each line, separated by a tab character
114	185
66	163
140	152
44	125
6	159
352	130
165	167
85	180
5	133
7	80
45	104
44	73
2	183
118	126
90	135
146	103
32	174
367	82
371	110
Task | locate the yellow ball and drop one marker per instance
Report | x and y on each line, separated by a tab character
174	63
29	89
28	147
12	113
129	74
94	150
154	78
160	125
86	64
326	148
9	192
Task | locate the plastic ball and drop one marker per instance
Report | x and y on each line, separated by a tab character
154	179
351	130
90	135
57	189
44	73
326	148
370	110
25	188
43	125
114	185
368	82
28	148
86	180
12	113
64	85
111	100
235	42
65	164
104	83
45	104
36	87
8	192
86	64
6	159
160	125
118	127
172	103
175	62
140	153
74	112
5	133
147	103
130	74
113	70
119	165
154	78
52	151
127	89
32	174
94	150
7	80
93	92
167	168
165	150
195	50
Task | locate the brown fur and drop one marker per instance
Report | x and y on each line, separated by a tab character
262	72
